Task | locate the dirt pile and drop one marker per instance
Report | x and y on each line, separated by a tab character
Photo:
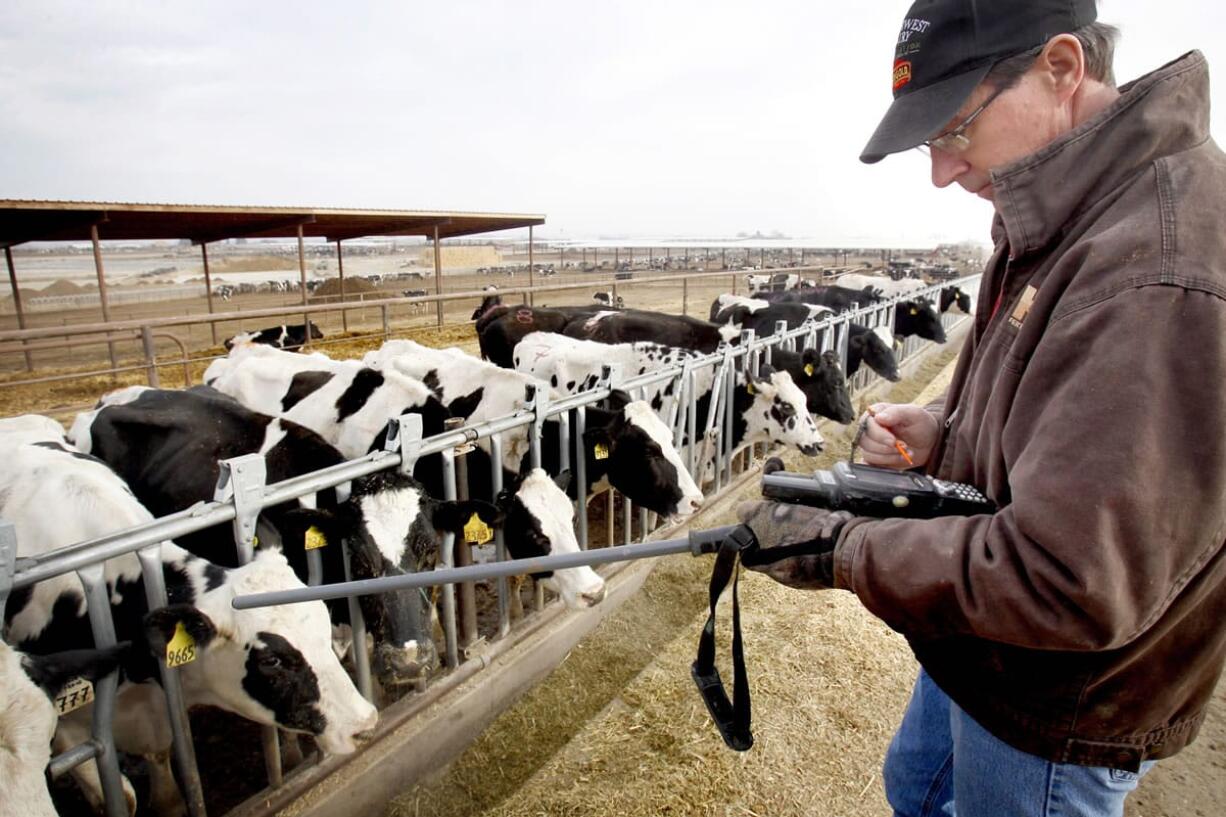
64	287
353	286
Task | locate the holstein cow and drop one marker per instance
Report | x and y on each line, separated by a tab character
839	299
873	347
490	301
952	295
639	458
290	336
349	404
769	408
761	316
777	282
166	445
272	665
634	325
607	298
501	327
28	686
884	286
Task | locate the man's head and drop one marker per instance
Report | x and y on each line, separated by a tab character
983	85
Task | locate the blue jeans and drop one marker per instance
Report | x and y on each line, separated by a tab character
943	762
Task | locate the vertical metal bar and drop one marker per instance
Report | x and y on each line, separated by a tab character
306	319
627	518
729	409
608	517
531	270
151	367
500	544
438	277
447	559
357	625
180	727
467	600
387	330
208	287
340	274
685	295
581	475
723	258
691	427
97	599
102	297
21	316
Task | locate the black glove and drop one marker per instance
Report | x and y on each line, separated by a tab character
810	533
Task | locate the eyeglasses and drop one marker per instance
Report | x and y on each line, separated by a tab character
956	140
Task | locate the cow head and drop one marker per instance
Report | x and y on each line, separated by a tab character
778	412
825	388
955	295
272	665
868	347
391	526
643	463
918	318
315	332
539	522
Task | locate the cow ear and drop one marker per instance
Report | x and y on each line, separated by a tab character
562	480
765	371
618	400
453	516
304	527
52	672
162	626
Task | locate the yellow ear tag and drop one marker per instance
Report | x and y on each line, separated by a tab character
477	532
315	539
749	387
255	541
914	311
809	369
75	694
181	649
601	451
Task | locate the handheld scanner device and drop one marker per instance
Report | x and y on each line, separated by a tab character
880	492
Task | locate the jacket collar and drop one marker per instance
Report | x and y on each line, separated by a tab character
1162	113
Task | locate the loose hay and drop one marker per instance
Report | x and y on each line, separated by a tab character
618	728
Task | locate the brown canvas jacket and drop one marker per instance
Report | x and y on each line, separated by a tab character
1084	621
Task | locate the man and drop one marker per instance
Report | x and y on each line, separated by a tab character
1074	637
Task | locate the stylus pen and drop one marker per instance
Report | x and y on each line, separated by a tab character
902	449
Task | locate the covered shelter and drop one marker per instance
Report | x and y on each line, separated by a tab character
23	221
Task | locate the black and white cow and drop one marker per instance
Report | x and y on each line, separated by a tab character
166	444
839	299
285	336
918	317
886	287
766	409
501	327
349	404
634	325
641	460
490	301
874	348
608	299
952	295
272	665
29	683
762	316
775	282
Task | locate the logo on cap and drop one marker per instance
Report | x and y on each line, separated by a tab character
902	73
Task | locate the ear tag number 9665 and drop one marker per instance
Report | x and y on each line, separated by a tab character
181	649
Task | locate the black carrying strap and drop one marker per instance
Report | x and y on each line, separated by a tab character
732	717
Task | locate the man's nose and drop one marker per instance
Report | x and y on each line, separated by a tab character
946	167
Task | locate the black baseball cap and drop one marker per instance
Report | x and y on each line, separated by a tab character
946	48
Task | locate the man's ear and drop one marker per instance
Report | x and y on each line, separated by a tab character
52	672
1062	66
162	625
453	516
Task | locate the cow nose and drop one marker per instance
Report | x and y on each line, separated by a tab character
593	597
810	450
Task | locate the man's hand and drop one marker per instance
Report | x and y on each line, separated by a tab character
914	426
779	524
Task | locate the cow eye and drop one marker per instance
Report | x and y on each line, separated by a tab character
269	662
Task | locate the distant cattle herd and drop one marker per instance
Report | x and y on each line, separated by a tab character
142	453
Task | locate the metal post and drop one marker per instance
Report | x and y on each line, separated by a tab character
180	727
463	550
616	257
306	319
151	367
581	474
446	560
98	603
106	308
208	286
387	331
762	257
531	270
500	545
340	274
723	257
685	295
21	317
357	626
438	277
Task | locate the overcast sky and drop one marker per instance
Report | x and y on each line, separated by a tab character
613	119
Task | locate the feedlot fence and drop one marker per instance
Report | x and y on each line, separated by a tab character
242	494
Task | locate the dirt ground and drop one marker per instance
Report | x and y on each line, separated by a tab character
618	729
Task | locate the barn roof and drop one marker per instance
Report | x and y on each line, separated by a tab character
22	221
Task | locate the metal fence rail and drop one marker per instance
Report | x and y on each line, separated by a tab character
242	493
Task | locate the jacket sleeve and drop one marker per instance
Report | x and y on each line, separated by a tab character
1116	463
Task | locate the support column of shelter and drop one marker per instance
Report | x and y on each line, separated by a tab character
21	316
340	274
208	286
438	277
306	319
531	269
106	307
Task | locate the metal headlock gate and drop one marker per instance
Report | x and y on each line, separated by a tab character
242	493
